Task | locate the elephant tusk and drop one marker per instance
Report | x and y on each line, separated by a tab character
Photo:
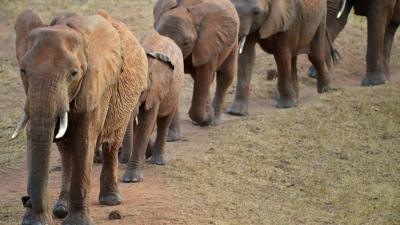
342	8
241	44
21	125
63	126
136	120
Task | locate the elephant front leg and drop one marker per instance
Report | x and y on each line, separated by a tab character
127	144
244	71
287	92
134	169
201	111
377	18
82	158
225	76
60	208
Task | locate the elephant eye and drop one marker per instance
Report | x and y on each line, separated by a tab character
256	12
23	72
73	73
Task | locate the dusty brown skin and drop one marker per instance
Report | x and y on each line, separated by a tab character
207	32
158	105
383	20
284	28
93	69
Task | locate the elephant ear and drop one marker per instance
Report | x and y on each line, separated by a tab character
104	60
282	14
26	21
217	30
161	7
162	57
159	82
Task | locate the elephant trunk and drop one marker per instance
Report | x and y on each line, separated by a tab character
40	137
44	108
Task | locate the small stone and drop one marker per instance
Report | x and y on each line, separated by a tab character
115	215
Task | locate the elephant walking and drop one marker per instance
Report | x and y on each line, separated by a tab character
82	75
158	106
383	17
284	28
207	33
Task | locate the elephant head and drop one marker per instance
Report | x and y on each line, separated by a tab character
202	29
267	17
65	68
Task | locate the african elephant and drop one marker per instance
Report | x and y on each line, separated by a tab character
158	104
82	76
207	33
383	20
284	28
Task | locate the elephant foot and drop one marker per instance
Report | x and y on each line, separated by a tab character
30	218
133	175
216	121
373	79
312	72
324	88
202	119
78	219
286	103
202	123
238	108
173	135
36	219
60	209
110	198
157	159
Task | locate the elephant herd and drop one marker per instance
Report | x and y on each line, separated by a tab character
90	84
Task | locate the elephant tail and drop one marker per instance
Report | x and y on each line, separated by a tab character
335	55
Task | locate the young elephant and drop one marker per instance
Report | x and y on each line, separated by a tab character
82	75
158	104
207	33
284	28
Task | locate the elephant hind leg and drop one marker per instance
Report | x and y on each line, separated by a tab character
174	131
317	58
109	193
157	156
389	37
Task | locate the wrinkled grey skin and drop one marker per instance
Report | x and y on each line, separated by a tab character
383	18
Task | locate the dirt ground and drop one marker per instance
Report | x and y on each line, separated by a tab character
334	159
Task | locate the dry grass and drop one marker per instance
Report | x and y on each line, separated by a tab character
332	160
335	162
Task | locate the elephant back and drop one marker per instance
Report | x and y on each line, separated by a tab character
164	50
